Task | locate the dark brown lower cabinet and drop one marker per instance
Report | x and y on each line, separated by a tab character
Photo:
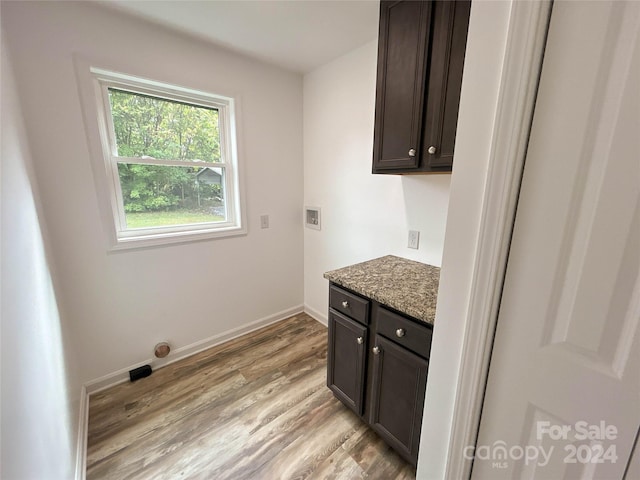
397	396
377	366
346	360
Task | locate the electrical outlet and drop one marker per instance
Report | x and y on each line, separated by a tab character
414	239
264	221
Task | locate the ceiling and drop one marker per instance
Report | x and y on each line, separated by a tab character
299	35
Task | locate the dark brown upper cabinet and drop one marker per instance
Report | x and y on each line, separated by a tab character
421	51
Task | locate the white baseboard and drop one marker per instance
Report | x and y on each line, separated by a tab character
122	375
83	426
316	315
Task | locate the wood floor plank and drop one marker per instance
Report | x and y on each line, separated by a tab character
339	466
303	456
372	454
256	407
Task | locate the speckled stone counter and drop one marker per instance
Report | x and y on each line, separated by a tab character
405	285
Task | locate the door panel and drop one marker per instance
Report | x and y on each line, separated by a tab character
397	396
567	347
346	360
404	33
451	21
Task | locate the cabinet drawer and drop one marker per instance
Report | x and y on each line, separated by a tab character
349	303
405	332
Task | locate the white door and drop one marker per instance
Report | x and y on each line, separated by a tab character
563	393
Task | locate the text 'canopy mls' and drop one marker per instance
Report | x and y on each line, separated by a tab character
164	129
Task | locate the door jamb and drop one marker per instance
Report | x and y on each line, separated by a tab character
526	39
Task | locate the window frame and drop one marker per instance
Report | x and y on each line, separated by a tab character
128	237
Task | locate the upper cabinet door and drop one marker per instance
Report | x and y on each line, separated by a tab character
450	23
402	52
420	62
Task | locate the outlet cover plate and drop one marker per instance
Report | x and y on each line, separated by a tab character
312	217
414	239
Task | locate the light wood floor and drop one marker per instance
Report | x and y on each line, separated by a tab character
253	408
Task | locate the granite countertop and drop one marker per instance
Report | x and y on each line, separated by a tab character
405	285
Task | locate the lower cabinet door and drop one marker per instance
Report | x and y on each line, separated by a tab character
346	360
397	396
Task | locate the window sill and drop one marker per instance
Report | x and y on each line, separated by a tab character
163	239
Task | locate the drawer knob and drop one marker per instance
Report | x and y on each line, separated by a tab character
412	152
345	304
431	150
400	332
376	350
359	340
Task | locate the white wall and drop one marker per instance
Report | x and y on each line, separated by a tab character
40	387
364	216
488	27
121	304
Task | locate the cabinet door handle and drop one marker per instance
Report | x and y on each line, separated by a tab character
400	332
412	152
431	150
359	340
345	304
376	350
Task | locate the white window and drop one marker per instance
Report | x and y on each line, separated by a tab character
171	160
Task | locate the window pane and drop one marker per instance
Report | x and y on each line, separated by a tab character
164	129
156	196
